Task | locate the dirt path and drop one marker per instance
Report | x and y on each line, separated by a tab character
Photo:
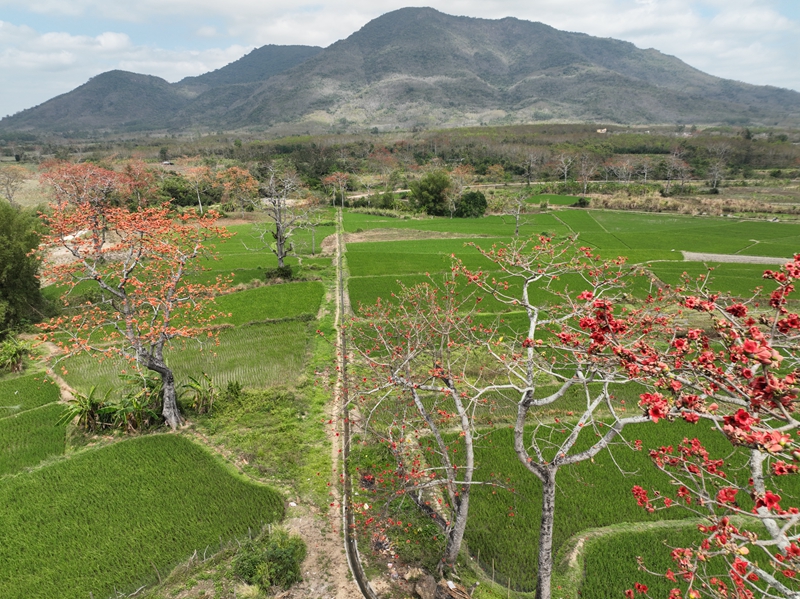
326	573
732	258
50	350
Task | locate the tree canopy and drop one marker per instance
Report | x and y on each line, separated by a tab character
429	194
20	296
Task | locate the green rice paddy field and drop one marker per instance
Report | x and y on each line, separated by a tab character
653	239
107	517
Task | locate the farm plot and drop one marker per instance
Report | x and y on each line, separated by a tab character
490	226
738	279
28	416
272	302
246	256
255	356
30	437
110	518
697	234
20	393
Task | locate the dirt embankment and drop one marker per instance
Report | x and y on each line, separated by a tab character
328	246
732	258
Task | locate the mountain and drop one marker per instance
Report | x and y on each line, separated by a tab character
421	67
261	64
112	100
120	100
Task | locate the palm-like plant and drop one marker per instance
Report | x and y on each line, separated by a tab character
92	412
201	393
137	409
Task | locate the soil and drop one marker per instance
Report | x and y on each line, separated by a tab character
328	246
732	258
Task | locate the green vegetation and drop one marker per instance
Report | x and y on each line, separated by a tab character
256	356
30	437
110	517
19	393
272	561
20	298
272	302
429	194
260	395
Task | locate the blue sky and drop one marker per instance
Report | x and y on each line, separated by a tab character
49	47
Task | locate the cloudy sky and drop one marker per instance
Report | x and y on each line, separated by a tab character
48	47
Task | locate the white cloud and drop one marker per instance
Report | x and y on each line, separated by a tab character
35	67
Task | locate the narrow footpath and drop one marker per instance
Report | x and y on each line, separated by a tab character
341	402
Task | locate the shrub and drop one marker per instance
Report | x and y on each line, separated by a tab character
13	353
281	272
471	205
273	561
429	194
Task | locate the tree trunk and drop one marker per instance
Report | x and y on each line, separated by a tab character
545	573
456	536
169	409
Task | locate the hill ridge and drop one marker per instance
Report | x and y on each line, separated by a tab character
419	67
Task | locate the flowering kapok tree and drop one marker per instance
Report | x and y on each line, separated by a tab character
580	317
733	365
436	354
136	262
416	386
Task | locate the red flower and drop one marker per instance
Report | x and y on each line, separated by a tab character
737	310
769	500
781	468
749	346
727	495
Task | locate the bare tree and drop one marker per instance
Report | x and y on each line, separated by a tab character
644	167
287	214
573	341
414	385
427	352
532	164
516	207
201	180
719	161
563	164
11	179
587	168
623	169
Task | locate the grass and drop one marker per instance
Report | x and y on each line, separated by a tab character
20	393
30	437
271	302
489	226
110	518
255	356
266	428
